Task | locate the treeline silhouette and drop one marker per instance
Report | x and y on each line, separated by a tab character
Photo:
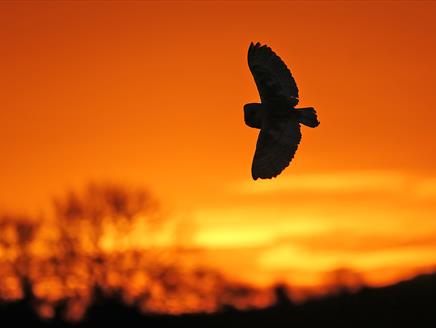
407	304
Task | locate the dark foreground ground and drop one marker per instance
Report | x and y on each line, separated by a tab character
407	304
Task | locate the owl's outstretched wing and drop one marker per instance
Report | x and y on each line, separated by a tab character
270	73
275	148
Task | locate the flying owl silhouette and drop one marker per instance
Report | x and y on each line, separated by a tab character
276	115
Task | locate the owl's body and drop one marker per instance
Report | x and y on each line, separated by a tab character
276	115
254	113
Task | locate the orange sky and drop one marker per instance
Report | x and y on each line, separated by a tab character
152	94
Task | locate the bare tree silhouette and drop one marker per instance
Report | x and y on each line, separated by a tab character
343	281
82	219
83	254
17	235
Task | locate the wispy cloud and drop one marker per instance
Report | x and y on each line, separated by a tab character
288	256
391	182
357	242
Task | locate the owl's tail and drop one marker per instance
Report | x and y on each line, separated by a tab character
307	116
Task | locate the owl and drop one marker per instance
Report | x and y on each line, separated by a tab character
276	116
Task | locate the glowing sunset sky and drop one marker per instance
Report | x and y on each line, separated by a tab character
152	94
